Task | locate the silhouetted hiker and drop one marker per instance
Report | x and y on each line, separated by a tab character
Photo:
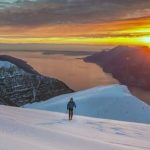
71	104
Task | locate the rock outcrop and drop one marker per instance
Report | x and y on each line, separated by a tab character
21	84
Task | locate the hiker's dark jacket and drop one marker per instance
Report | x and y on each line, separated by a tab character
71	105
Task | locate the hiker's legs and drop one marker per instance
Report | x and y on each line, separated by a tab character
71	114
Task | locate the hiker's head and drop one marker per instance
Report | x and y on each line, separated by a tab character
71	99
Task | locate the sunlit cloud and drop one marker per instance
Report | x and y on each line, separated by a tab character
134	41
87	22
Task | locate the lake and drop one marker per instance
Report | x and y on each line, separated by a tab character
70	69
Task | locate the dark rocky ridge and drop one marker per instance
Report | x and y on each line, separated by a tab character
130	65
21	84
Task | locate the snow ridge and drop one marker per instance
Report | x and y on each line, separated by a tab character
111	102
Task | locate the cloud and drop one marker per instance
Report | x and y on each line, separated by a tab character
51	12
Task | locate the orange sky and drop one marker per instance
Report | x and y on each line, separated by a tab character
125	32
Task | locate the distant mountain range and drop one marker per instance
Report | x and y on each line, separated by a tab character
130	65
21	84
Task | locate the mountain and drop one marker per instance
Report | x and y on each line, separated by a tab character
26	129
130	65
21	84
18	62
111	102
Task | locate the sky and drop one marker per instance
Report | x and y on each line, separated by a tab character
79	22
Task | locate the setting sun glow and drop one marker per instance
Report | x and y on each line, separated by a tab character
134	32
146	40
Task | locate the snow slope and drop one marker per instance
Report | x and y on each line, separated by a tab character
25	129
5	64
111	102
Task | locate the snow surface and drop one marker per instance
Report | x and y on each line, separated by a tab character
5	64
26	129
111	102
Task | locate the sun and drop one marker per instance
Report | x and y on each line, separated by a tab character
146	41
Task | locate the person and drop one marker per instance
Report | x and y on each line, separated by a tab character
70	106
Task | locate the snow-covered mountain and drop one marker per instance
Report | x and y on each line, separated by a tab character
21	84
17	62
5	64
111	102
25	129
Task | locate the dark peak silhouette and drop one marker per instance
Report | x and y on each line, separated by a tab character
130	65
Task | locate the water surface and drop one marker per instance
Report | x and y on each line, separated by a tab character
76	73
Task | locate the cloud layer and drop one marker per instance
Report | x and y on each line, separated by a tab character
52	12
